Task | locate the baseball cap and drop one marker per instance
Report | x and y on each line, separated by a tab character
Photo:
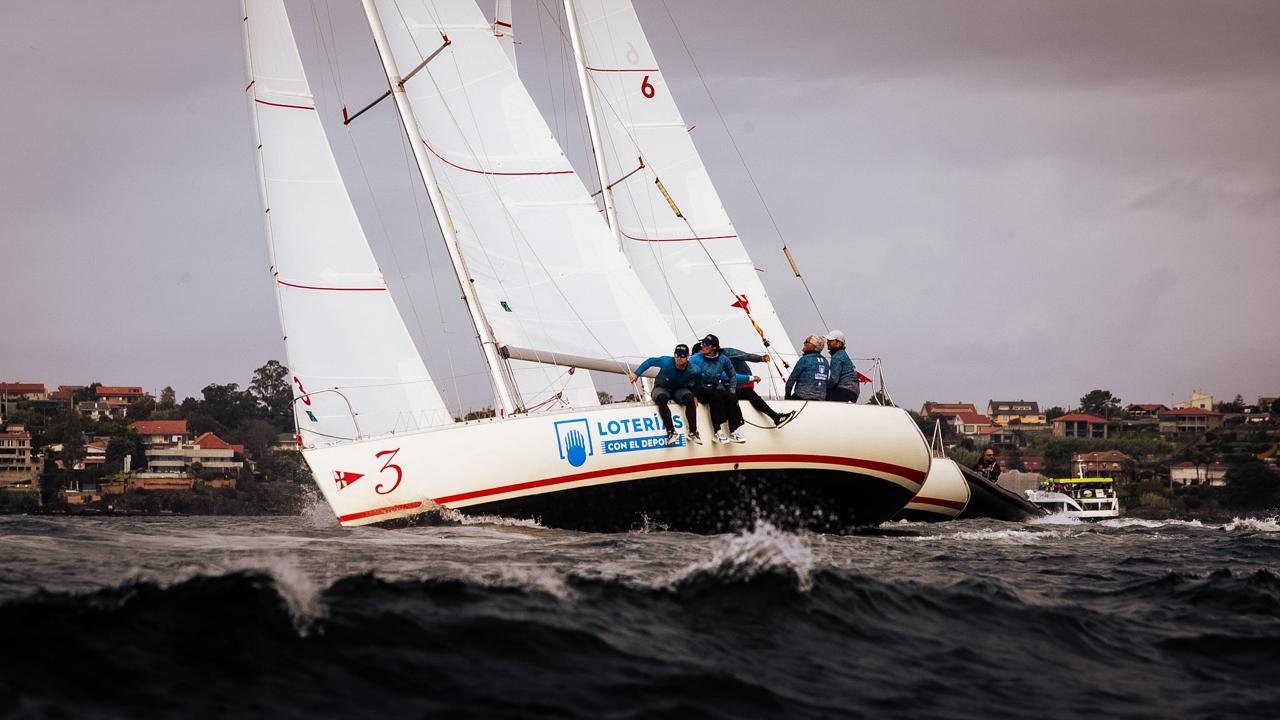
682	350
835	335
711	341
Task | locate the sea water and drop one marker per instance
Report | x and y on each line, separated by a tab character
296	617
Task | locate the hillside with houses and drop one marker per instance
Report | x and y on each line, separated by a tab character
1198	456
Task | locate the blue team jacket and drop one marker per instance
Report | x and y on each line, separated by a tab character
843	373
809	377
669	377
716	372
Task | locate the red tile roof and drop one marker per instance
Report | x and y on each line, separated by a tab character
113	390
22	388
938	408
1080	417
1148	407
159	427
1103	456
209	441
970	418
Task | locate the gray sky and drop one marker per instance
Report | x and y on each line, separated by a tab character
1002	199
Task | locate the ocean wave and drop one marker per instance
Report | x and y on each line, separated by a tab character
1265	525
1059	518
1139	522
765	550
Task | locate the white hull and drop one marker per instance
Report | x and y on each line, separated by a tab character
835	465
1083	508
944	496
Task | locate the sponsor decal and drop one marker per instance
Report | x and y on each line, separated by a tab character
573	440
578	439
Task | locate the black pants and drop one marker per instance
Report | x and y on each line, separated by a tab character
683	397
750	395
839	394
723	405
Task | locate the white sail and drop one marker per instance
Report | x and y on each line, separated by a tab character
341	327
550	280
504	29
640	125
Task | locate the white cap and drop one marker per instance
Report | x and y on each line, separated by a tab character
835	335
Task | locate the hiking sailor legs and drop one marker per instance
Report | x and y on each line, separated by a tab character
747	390
676	376
843	383
808	380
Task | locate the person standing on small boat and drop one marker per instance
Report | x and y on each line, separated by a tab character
988	467
675	378
808	380
747	389
843	384
717	388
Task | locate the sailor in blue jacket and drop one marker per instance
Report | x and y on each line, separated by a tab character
843	384
809	375
716	386
676	376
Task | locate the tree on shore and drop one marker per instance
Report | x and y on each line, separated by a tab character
168	399
1100	402
270	388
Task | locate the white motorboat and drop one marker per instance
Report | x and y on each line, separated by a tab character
545	283
1092	498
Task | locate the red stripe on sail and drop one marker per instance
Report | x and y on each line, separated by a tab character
379	511
683	239
645	70
491	172
282	105
906	473
334	289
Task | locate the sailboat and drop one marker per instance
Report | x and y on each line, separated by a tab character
945	493
544	281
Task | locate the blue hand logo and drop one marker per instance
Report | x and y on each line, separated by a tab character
575	448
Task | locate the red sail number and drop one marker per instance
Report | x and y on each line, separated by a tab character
388	465
646	88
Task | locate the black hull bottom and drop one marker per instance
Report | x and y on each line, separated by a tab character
989	500
827	501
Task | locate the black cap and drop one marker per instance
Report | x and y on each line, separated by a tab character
711	341
682	350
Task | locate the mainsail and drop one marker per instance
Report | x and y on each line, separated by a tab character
692	263
549	280
345	342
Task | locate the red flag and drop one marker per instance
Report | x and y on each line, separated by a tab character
862	378
342	478
741	302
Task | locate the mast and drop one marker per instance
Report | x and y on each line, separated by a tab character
502	380
593	122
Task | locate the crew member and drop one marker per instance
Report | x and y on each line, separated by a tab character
717	388
988	467
675	379
843	385
747	389
808	380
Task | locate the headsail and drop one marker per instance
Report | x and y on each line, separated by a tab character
692	263
550	280
341	326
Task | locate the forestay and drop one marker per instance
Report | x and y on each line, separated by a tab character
549	278
695	266
341	326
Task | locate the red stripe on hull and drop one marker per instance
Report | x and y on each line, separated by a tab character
915	476
939	502
379	511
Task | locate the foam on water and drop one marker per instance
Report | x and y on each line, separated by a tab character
1058	518
1139	522
1266	525
764	550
